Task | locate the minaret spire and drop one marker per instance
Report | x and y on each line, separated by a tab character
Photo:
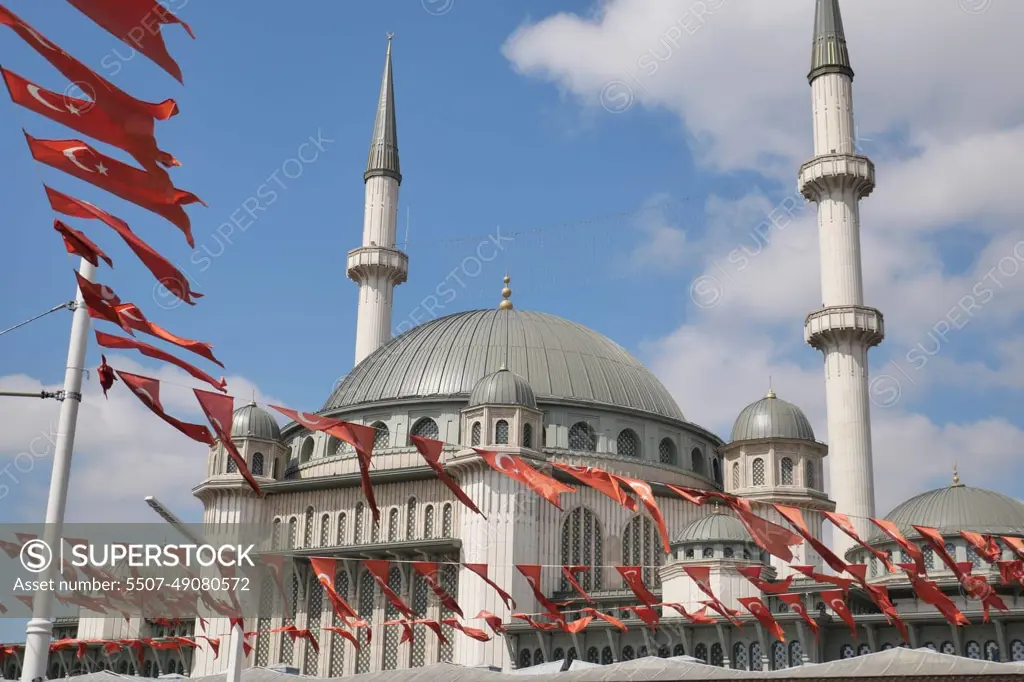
836	179
378	266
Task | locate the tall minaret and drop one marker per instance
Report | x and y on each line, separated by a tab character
377	266
837	178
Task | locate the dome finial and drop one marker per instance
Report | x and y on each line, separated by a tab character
771	393
506	294
956	475
252	403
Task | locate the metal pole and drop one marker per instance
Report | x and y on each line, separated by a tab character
236	657
40	627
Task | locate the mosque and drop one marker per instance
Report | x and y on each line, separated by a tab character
550	390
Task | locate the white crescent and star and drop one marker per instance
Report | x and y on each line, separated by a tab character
70	154
33	90
145	394
38	38
837	605
499	462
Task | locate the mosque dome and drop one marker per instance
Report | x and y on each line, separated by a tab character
954	508
771	417
252	421
503	388
561	361
716	527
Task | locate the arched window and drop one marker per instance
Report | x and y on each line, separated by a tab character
325	530
864	650
947	648
428	526
393	525
410	519
314	612
642	652
974	557
342	528
664	651
293	532
709	553
392	634
474	440
973	650
991	651
729	553
607	657
447	520
796	654
582	437
735	475
755	656
641	546
420	604
335	447
307	531
538	657
425	428
779	659
739	656
275	535
367	594
716	470
306	450
360	536
524	659
701	651
593	655
679	650
627	653
697	461
527	436
757	471
929	558
667	451
230	467
257	464
717	656
273	468
627	444
846	651
382	437
501	432
558	654
809	477
581	546
450	584
374	530
786	471
951	550
338	646
1017	651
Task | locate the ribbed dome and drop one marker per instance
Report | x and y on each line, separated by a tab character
252	421
956	508
503	388
715	527
560	360
771	417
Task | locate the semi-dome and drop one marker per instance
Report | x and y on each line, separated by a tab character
503	388
955	508
772	417
716	527
252	421
561	360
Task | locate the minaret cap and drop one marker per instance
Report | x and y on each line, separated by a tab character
383	157
506	294
829	53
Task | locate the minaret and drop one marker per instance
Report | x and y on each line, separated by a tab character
377	266
837	178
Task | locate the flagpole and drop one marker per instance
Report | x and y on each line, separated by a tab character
236	655
40	627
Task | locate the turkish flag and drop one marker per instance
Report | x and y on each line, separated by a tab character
106	375
1016	545
633	577
344	633
601	481
169	276
822	578
771	537
842	522
429	573
100	301
325	570
547	627
481	570
753	574
758	609
701	575
1011	572
985	545
612	620
379	569
646	495
219	410
132	317
834	600
934	538
569	572
928	591
431	452
134	135
977	587
214	643
493	621
435	627
532	574
121	343
476	633
578	625
697	617
796	605
77	244
725	611
689	494
137	23
645	613
796	518
81	161
148	391
912	550
102	91
518	470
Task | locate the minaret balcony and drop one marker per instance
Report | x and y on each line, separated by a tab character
824	175
836	325
368	261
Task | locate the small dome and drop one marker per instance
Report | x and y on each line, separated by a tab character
252	421
716	527
771	417
503	388
955	508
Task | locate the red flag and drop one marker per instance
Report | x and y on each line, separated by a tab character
977	587
428	571
493	621
532	574
701	575
797	606
435	627
697	617
985	545
606	618
431	452
105	93
77	244
475	633
725	611
406	629
842	522
359	436
633	577
121	343
753	574
106	375
148	391
378	568
645	613
569	572
481	570
796	518
547	627
834	600
137	23
325	570
1011	572
344	633
81	161
821	578
169	276
934	538
764	616
1015	544
133	134
518	470
579	625
771	537
928	591
646	495
132	317
689	494
100	301
601	481
912	550
219	410
214	643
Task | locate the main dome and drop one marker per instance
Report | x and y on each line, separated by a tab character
955	508
560	359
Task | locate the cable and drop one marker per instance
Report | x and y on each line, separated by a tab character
70	305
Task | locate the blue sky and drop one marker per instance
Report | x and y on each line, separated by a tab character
613	215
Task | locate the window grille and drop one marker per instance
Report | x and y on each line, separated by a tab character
525	658
717	657
287	650
697	461
342	527
538	657
796	654
582	437
607	657
757	473
293	532
393	525
501	432
1017	650
263	623
392	633
308	526
810	480
973	650
991	651
735	475
410	519
367	593
627	653
627	444
477	432
581	546
257	464
447	520
325	530
426	428
739	656
420	603
527	436
701	651
786	471
428	525
314	612
593	655
779	660
231	468
338	644
755	656
667	451
450	584
382	437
